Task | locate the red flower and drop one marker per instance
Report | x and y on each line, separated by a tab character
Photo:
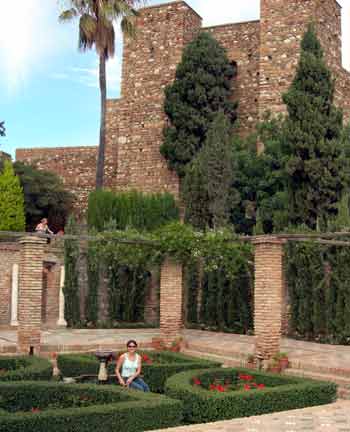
261	386
196	381
220	388
245	377
246	387
35	410
212	387
146	359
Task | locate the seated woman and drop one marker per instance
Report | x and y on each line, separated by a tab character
130	364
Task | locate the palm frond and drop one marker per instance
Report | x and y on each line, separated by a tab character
68	15
88	29
128	25
105	39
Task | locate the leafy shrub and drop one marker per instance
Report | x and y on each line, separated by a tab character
280	393
164	365
24	368
131	209
35	407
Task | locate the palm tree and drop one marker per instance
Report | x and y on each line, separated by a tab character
96	30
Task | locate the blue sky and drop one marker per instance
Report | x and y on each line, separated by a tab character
49	91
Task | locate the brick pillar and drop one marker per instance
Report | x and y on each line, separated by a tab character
268	295
171	321
30	294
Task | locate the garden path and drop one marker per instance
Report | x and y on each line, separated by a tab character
327	418
233	349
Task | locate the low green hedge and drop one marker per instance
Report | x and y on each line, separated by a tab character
165	364
281	393
24	368
34	406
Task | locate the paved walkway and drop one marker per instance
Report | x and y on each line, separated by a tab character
326	418
308	355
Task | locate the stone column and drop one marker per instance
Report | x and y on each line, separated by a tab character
14	296
171	322
268	295
61	321
30	294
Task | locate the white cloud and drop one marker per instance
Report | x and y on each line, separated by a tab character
28	35
89	76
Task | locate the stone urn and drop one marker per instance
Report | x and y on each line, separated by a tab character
103	357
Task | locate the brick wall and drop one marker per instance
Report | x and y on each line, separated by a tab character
171	319
242	44
268	295
75	165
9	255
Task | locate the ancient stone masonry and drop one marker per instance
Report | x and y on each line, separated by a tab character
76	166
242	44
266	53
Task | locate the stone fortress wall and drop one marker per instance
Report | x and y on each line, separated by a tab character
266	53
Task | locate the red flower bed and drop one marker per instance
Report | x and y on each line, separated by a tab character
245	382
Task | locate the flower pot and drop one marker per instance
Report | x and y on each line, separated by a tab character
284	363
275	368
250	365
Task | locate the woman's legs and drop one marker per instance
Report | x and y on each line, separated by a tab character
139	384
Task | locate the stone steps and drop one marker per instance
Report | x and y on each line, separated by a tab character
225	360
343	382
319	368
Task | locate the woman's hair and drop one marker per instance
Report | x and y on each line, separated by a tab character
131	341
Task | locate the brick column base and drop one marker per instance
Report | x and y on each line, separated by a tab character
268	295
30	294
171	321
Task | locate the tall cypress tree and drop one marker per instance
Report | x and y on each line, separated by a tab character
11	200
312	137
208	179
201	89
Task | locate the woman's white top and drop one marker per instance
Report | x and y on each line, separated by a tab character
129	367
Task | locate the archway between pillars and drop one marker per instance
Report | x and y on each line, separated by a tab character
269	291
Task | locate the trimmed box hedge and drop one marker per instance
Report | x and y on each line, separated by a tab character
281	393
166	364
24	368
34	406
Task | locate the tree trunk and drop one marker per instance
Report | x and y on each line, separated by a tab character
101	147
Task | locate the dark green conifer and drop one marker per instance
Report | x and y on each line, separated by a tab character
312	138
202	88
11	200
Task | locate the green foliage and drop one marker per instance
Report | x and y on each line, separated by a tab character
71	287
44	196
24	368
165	364
114	408
318	282
226	303
93	273
202	88
207	183
312	139
201	405
130	210
11	200
192	284
127	272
